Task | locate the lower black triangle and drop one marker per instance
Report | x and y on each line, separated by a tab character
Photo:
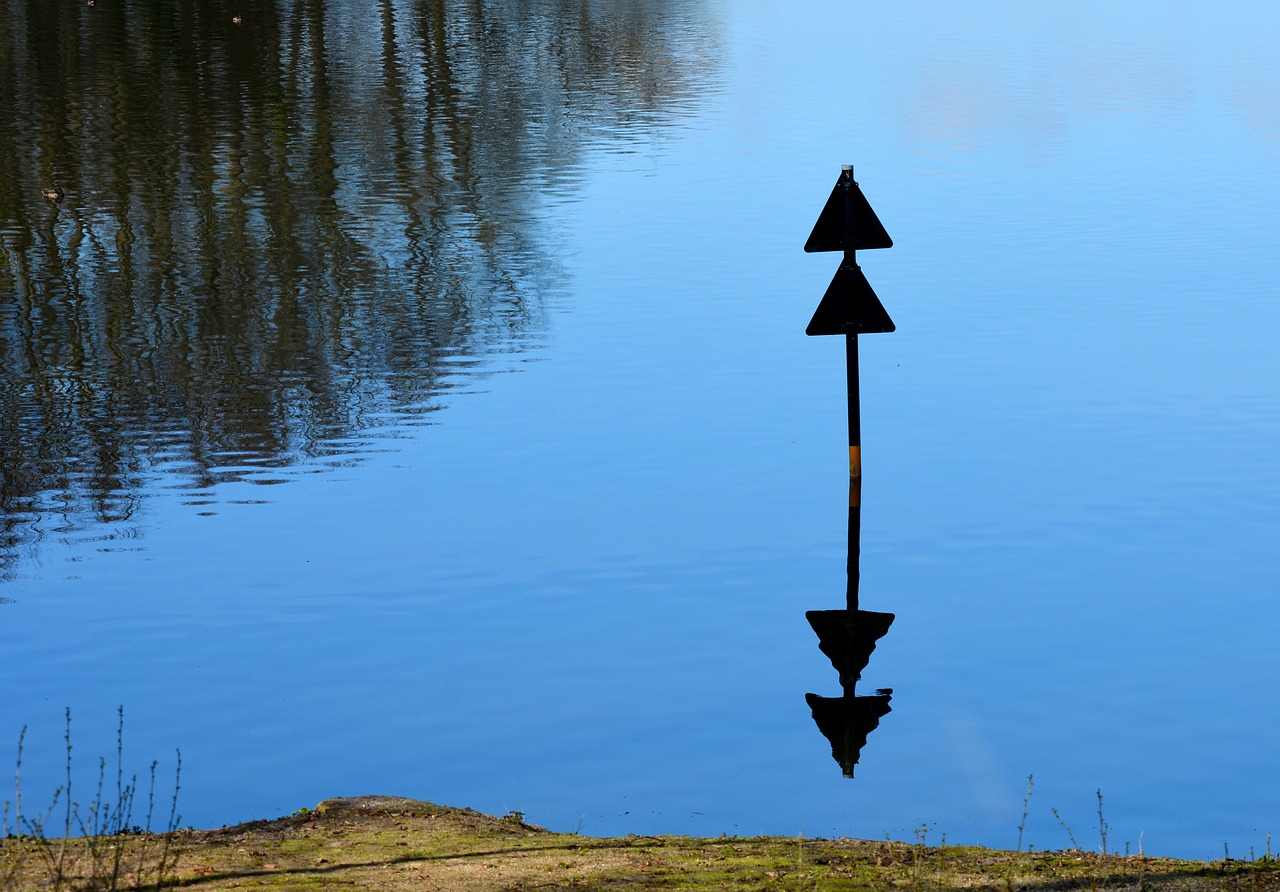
847	722
849	306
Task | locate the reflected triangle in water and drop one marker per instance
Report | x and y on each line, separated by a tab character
847	222
848	637
850	306
847	721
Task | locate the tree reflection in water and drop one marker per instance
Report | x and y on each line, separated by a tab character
276	231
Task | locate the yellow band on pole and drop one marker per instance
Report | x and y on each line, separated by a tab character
855	476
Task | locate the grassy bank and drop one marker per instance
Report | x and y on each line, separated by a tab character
388	843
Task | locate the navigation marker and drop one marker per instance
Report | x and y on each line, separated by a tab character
850	308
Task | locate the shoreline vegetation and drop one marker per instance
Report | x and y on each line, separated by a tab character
396	844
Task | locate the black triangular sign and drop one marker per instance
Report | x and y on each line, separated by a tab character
835	231
849	306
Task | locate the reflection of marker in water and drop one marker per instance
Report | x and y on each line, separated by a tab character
847	722
849	307
848	637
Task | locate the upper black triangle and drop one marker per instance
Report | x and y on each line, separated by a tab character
847	225
849	306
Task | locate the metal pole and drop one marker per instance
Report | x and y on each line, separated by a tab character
855	414
855	468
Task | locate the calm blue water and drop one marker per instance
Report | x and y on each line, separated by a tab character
570	579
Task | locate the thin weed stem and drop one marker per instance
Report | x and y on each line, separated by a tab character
17	782
1026	799
1071	836
1102	823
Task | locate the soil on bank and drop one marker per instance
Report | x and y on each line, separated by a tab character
395	844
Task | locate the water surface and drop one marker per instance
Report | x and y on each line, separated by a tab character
414	398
